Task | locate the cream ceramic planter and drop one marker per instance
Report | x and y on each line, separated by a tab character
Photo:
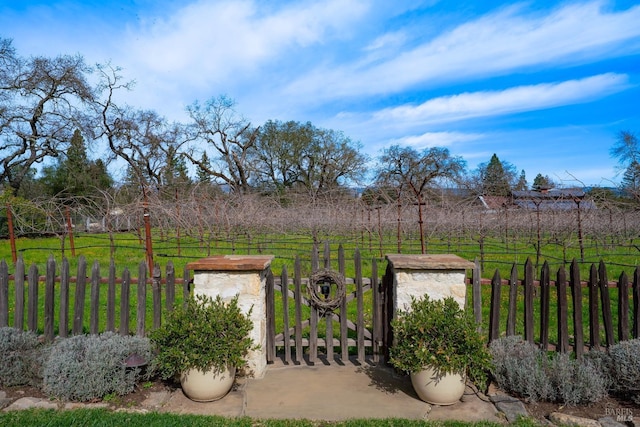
207	386
436	389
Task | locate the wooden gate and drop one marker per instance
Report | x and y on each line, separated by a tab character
326	317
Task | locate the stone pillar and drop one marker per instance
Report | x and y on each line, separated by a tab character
438	276
245	276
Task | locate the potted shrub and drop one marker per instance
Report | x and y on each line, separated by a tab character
204	342
437	343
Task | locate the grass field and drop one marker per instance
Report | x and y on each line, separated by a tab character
98	417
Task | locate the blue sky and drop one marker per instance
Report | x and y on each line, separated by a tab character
544	85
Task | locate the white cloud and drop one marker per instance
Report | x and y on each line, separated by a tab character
514	100
494	44
436	139
209	41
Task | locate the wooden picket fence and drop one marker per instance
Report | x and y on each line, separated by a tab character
71	321
567	289
526	305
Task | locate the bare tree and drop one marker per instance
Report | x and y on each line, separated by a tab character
230	137
406	167
40	101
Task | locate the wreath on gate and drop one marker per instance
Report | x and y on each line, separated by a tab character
325	275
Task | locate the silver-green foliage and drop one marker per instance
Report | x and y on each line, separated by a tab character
625	368
88	367
523	369
21	357
518	368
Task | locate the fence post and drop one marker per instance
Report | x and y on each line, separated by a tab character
141	299
528	301
494	314
623	307
4	294
63	327
513	300
49	288
32	302
156	289
606	304
544	306
78	307
636	303
563	327
95	298
576	294
18	315
594	323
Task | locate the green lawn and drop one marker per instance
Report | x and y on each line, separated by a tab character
99	417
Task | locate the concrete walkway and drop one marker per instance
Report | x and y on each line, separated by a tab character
332	393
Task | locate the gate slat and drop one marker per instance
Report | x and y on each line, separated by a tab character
49	299
344	328
605	299
576	294
376	338
95	299
18	314
297	282
544	306
78	306
271	318
563	326
63	327
328	317
360	305
284	285
623	307
594	323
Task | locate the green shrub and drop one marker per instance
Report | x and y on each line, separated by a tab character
21	358
440	335
521	368
87	367
206	333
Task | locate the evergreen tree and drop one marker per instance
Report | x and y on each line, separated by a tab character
542	182
521	185
496	177
201	174
74	175
631	178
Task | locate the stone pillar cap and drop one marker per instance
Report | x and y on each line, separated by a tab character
232	263
429	262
